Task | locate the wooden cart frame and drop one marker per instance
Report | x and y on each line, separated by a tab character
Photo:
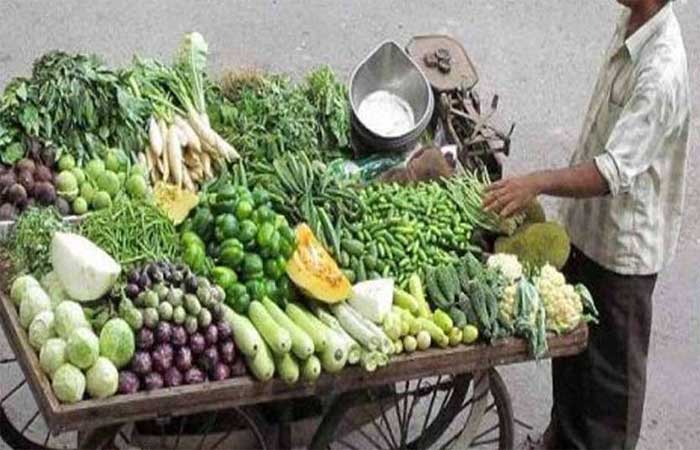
109	414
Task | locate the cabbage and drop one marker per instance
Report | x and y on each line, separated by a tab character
117	342
20	286
86	271
83	348
35	301
41	329
102	379
53	287
68	384
52	355
69	316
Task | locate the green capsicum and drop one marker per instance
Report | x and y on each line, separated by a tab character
226	227
252	265
203	223
231	253
224	277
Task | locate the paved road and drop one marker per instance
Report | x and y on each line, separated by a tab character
540	56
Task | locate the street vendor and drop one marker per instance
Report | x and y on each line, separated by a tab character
626	185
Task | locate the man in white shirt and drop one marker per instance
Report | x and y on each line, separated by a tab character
627	182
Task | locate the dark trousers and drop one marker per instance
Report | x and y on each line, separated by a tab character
599	394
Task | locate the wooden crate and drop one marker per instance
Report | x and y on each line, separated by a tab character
211	396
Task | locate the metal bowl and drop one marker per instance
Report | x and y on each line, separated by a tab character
389	68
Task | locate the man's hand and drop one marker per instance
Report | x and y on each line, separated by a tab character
511	195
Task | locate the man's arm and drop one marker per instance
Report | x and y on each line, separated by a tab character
634	143
511	195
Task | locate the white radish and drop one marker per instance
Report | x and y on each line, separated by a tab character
192	138
155	138
187	180
165	166
206	162
163	127
175	156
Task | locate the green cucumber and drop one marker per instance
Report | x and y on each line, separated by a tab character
301	317
406	301
302	344
245	335
262	364
287	368
436	334
353	247
277	338
311	369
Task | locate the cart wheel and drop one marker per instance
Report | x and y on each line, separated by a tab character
444	412
22	427
21	424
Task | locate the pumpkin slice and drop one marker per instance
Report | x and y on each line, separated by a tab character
314	270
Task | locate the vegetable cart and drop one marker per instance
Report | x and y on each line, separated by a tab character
440	398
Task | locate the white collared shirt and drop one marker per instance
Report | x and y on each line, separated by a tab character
636	130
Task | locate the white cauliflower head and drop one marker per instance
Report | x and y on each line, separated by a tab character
562	304
508	265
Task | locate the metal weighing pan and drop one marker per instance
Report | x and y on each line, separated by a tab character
389	68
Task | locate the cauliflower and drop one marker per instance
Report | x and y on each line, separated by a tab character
506	307
562	303
507	264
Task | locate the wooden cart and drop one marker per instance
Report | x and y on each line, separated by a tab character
440	398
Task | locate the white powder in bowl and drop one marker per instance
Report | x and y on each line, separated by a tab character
386	114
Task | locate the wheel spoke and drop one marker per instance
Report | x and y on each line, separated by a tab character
525	425
386	423
31	421
351	446
486	442
486	432
207	428
7	360
180	430
374	422
46	439
364	434
430	407
12	391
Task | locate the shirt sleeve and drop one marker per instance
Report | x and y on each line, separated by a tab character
637	138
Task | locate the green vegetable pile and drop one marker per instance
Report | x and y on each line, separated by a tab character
470	294
267	116
31	240
405	228
75	103
132	231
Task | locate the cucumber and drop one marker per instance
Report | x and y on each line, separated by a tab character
404	300
335	355
442	320
458	317
262	364
287	368
436	334
300	317
302	345
415	287
311	369
277	338
356	327
353	247
245	335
